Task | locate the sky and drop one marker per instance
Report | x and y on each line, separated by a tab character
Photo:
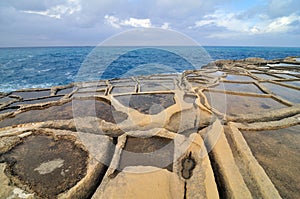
209	22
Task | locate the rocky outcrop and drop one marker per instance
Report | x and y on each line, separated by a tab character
163	136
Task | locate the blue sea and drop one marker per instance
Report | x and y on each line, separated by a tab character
41	67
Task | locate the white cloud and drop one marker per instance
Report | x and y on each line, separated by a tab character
70	7
166	26
44	13
282	24
251	26
113	21
132	22
229	21
137	23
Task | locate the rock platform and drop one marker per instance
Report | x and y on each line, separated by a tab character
229	130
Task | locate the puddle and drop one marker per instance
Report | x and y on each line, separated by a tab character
169	76
217	73
32	94
64	91
255	71
148	87
283	64
88	94
124	89
265	76
88	90
46	166
120	84
154	151
287	72
188	165
126	81
48	99
238	78
284	92
83	108
78	95
198	84
192	75
100	109
5	100
53	113
278	153
147	103
92	84
199	78
157	85
11	109
292	83
236	104
238	87
285	76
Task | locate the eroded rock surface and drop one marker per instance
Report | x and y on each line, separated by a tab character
46	166
229	130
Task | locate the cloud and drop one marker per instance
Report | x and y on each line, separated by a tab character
165	26
113	21
229	21
70	7
280	8
143	23
81	22
283	24
234	24
132	22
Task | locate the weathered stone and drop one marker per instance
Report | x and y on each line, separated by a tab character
141	137
143	182
46	166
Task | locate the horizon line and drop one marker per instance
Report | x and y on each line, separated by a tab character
74	46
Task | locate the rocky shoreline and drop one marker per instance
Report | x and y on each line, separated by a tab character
229	130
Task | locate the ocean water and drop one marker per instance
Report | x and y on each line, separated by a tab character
41	67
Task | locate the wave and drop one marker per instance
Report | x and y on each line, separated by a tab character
37	67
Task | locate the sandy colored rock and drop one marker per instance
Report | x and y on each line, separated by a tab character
194	167
143	115
228	172
137	182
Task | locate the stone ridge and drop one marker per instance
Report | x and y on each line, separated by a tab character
217	132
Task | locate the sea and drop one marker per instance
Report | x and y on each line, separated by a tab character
42	67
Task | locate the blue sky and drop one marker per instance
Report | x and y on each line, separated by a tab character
209	22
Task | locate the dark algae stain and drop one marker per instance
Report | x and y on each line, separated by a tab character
264	106
45	165
188	165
